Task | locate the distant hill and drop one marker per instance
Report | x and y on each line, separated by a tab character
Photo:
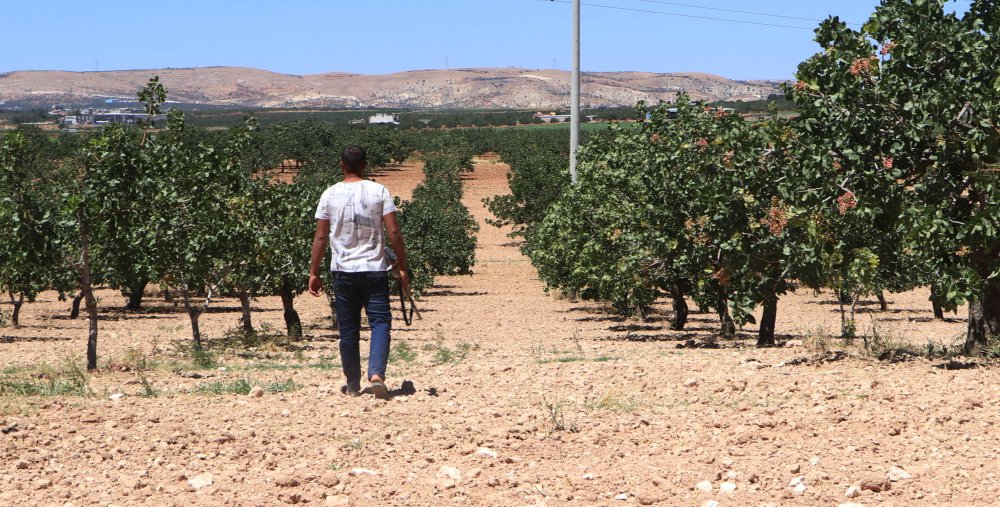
486	88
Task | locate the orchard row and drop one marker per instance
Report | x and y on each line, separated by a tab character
201	213
886	180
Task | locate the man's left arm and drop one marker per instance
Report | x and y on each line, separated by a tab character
320	240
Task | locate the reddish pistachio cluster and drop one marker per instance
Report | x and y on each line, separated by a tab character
727	158
722	276
861	66
887	163
962	251
800	86
846	202
836	166
701	143
776	220
887	48
655	138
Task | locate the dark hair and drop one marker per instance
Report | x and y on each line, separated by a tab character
355	158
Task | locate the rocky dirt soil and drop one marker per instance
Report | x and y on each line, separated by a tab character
520	399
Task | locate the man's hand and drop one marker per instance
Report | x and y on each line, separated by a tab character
315	285
404	281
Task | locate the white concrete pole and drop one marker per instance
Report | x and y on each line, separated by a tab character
574	128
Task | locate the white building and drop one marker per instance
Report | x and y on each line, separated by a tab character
383	119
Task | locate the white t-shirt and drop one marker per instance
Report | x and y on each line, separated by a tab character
355	212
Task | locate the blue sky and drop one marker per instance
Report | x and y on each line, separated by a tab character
382	36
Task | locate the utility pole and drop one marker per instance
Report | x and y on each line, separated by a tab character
574	126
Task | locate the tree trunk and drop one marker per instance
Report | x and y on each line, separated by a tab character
292	322
194	313
984	320
727	325
135	295
883	305
938	310
844	331
765	335
74	311
18	303
246	319
680	312
87	289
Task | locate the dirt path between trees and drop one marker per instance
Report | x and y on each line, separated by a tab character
521	399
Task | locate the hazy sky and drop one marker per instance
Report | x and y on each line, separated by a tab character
382	36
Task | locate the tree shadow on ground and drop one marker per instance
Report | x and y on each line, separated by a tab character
449	292
16	339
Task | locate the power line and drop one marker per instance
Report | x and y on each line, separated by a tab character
752	13
648	11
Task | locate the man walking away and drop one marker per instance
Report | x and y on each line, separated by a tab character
351	215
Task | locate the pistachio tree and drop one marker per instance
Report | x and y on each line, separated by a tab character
899	124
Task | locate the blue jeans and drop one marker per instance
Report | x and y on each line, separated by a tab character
368	289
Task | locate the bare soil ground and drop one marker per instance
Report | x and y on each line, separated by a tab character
521	399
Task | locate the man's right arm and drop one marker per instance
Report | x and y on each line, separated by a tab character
320	239
395	235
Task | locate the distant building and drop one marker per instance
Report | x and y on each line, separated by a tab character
559	118
383	119
105	116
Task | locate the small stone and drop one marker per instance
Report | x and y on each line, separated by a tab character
286	482
793	343
286	413
796	468
201	481
853	492
116	396
21	465
897	474
90	418
623	496
710	503
796	481
875	484
338	501
450	472
256	392
293	498
799	489
814	461
363	471
43	484
486	452
222	368
329	479
704	486
691	382
437	427
727	487
588	477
